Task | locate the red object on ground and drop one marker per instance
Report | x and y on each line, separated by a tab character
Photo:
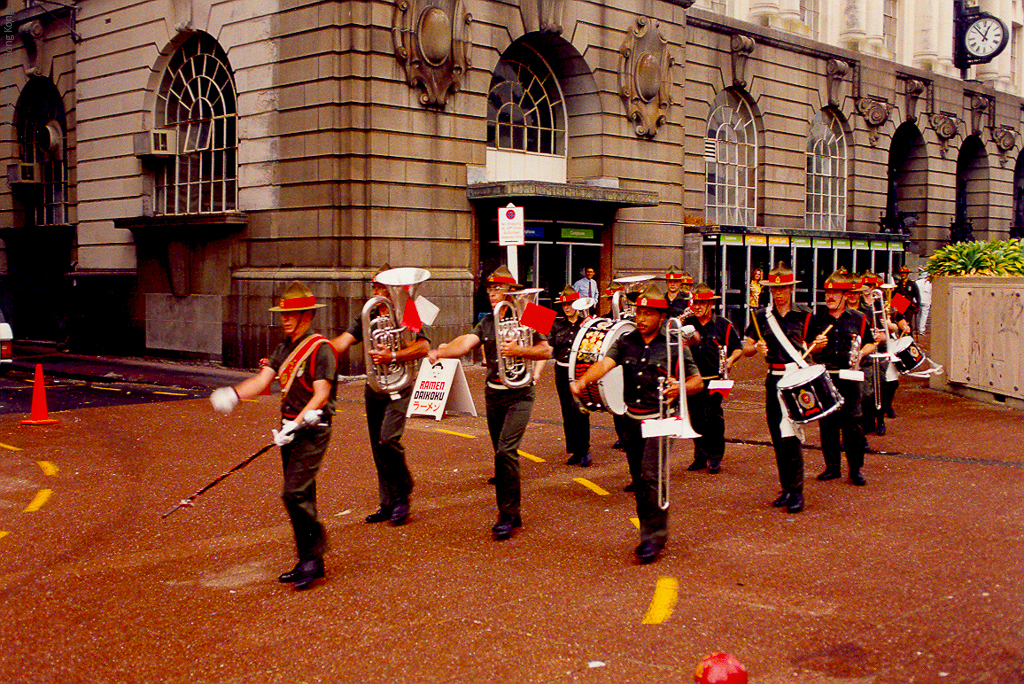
720	668
39	415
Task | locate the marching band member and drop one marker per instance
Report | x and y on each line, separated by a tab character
716	352
642	354
385	415
908	288
508	409
305	364
677	285
619	422
575	419
839	344
791	321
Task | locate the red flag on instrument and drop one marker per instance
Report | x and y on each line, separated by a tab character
538	317
900	303
411	316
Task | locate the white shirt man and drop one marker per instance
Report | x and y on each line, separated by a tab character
587	286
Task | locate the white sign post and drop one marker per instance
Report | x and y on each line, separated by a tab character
511	234
439	386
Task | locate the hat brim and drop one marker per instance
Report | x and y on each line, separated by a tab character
767	283
296	310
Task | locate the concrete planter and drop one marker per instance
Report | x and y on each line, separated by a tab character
978	337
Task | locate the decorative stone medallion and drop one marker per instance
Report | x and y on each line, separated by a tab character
431	40
644	77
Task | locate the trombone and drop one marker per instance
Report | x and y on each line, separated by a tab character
879	321
676	336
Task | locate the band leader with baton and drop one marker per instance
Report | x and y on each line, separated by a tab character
305	365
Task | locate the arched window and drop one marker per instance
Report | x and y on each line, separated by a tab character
525	108
826	174
730	156
197	99
41	125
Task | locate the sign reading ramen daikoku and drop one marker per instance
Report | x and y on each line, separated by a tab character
436	386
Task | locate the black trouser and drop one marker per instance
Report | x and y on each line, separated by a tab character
575	423
300	461
385	420
707	418
642	457
789	457
508	413
845	420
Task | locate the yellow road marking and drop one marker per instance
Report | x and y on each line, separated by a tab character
8	446
664	600
173	394
48	468
42	496
597	489
3	534
457	434
636	522
535	459
109	389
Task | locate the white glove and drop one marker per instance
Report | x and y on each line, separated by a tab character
312	417
224	400
286	434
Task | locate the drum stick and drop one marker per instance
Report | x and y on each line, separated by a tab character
757	327
823	332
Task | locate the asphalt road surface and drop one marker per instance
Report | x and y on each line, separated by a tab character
914	578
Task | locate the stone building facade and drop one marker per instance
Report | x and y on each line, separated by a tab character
173	163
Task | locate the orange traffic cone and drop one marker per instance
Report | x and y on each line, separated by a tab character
39	416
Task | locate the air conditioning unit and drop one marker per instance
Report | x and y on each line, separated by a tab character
24	175
156	143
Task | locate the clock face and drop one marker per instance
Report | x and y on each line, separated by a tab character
984	37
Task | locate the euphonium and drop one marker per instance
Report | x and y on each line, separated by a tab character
514	371
622	307
676	337
384	329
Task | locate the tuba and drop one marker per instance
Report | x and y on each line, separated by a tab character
385	330
676	335
622	308
514	371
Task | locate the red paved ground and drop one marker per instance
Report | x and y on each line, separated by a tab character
914	578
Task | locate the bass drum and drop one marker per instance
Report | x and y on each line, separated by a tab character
808	394
592	343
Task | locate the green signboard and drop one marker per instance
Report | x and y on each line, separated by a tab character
822	242
578	233
800	242
861	244
841	244
730	239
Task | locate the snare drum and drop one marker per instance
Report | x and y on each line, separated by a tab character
907	357
808	394
592	343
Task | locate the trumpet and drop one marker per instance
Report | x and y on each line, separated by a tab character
514	371
384	329
676	337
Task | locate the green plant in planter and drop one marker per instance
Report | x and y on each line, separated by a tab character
994	258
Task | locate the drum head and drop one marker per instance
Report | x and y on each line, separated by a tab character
800	376
611	391
909	356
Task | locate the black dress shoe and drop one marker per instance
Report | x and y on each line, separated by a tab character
492	480
697	465
714	465
619	444
309	571
629	488
574	459
400	513
783	500
881	427
382	514
506	523
889	413
829	474
296	573
858	479
647	552
585	460
796	503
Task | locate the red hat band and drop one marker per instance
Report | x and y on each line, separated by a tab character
296	303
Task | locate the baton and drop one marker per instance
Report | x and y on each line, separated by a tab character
184	503
823	332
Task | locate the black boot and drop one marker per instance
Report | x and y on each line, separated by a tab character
880	430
